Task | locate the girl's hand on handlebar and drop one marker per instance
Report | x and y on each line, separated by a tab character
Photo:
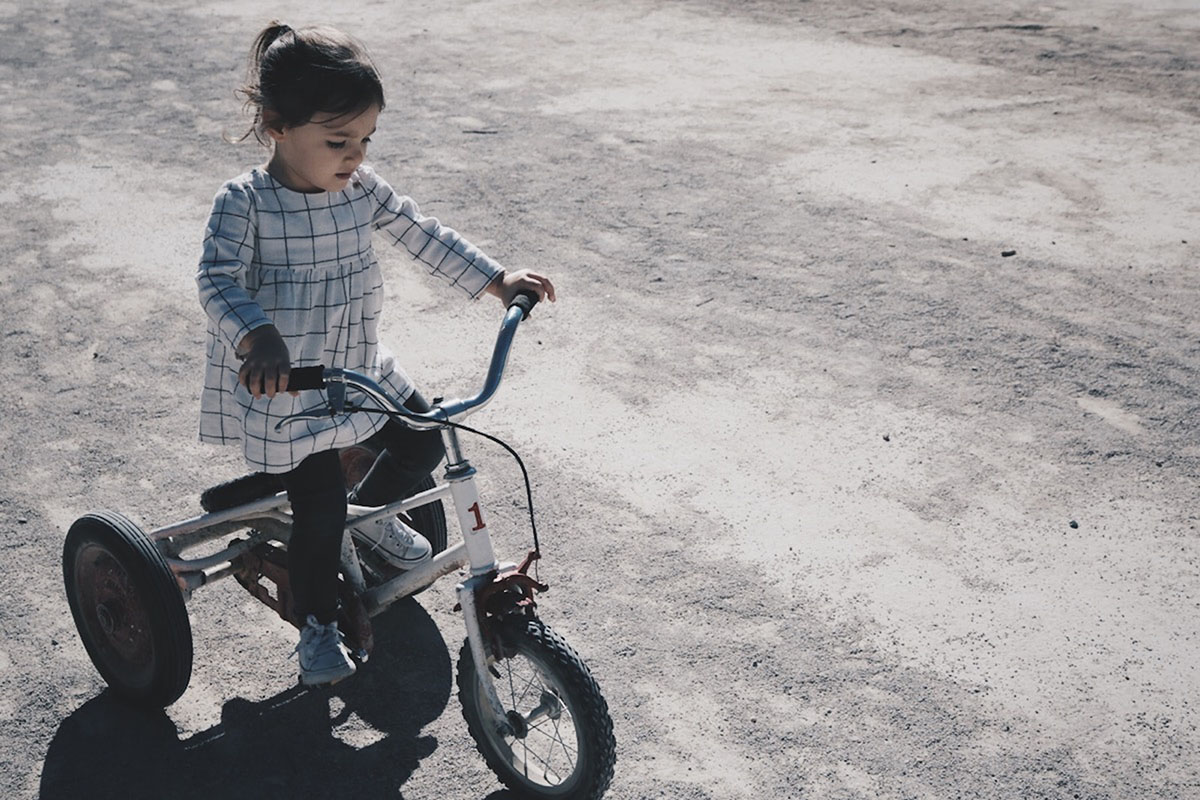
265	362
509	284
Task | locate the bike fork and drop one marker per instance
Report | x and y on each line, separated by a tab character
479	649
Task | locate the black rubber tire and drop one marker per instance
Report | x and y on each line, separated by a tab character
128	609
539	652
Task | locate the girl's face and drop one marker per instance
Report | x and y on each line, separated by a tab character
321	154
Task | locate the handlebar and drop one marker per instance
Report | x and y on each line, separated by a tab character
524	301
301	378
335	380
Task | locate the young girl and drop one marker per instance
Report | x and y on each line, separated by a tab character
288	279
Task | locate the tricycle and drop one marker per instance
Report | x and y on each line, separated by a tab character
530	703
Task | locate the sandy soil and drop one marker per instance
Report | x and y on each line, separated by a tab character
839	500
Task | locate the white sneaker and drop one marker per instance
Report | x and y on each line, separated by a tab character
400	545
323	657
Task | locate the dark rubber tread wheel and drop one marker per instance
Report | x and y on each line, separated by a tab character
563	746
128	609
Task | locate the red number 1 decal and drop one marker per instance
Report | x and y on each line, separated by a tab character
478	518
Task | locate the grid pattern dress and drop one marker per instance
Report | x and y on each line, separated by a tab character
304	263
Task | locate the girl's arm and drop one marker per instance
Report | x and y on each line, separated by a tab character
221	280
443	252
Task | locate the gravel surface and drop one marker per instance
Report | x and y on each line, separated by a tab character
864	433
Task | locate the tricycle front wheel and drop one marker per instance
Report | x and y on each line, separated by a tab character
128	609
556	740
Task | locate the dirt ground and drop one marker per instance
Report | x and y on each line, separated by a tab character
864	434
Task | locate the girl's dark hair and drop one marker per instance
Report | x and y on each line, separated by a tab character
297	74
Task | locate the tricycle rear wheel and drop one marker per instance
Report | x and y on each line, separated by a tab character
128	609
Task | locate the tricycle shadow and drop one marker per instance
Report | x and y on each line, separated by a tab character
361	737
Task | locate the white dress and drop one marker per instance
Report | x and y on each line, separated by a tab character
304	263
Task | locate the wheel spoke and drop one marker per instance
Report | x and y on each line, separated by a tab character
516	699
553	734
550	755
551	731
543	729
548	771
519	690
556	736
512	692
562	743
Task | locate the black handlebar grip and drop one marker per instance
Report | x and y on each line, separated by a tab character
525	301
301	378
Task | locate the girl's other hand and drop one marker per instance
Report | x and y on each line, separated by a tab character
266	363
510	284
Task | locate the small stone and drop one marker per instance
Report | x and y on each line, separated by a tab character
1074	524
22	520
887	437
1007	253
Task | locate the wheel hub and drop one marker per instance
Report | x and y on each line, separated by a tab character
105	618
517	725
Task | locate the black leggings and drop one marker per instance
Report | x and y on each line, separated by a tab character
317	491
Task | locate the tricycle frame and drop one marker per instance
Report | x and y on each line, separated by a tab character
270	520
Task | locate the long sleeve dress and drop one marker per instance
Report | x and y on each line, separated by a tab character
304	263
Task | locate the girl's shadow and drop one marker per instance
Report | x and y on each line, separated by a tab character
284	746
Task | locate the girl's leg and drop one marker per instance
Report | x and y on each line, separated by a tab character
406	457
316	490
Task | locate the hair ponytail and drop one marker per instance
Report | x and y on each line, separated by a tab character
263	42
296	74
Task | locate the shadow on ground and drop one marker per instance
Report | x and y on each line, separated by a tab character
359	738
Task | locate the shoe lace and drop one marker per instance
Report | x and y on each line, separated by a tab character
401	531
319	633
